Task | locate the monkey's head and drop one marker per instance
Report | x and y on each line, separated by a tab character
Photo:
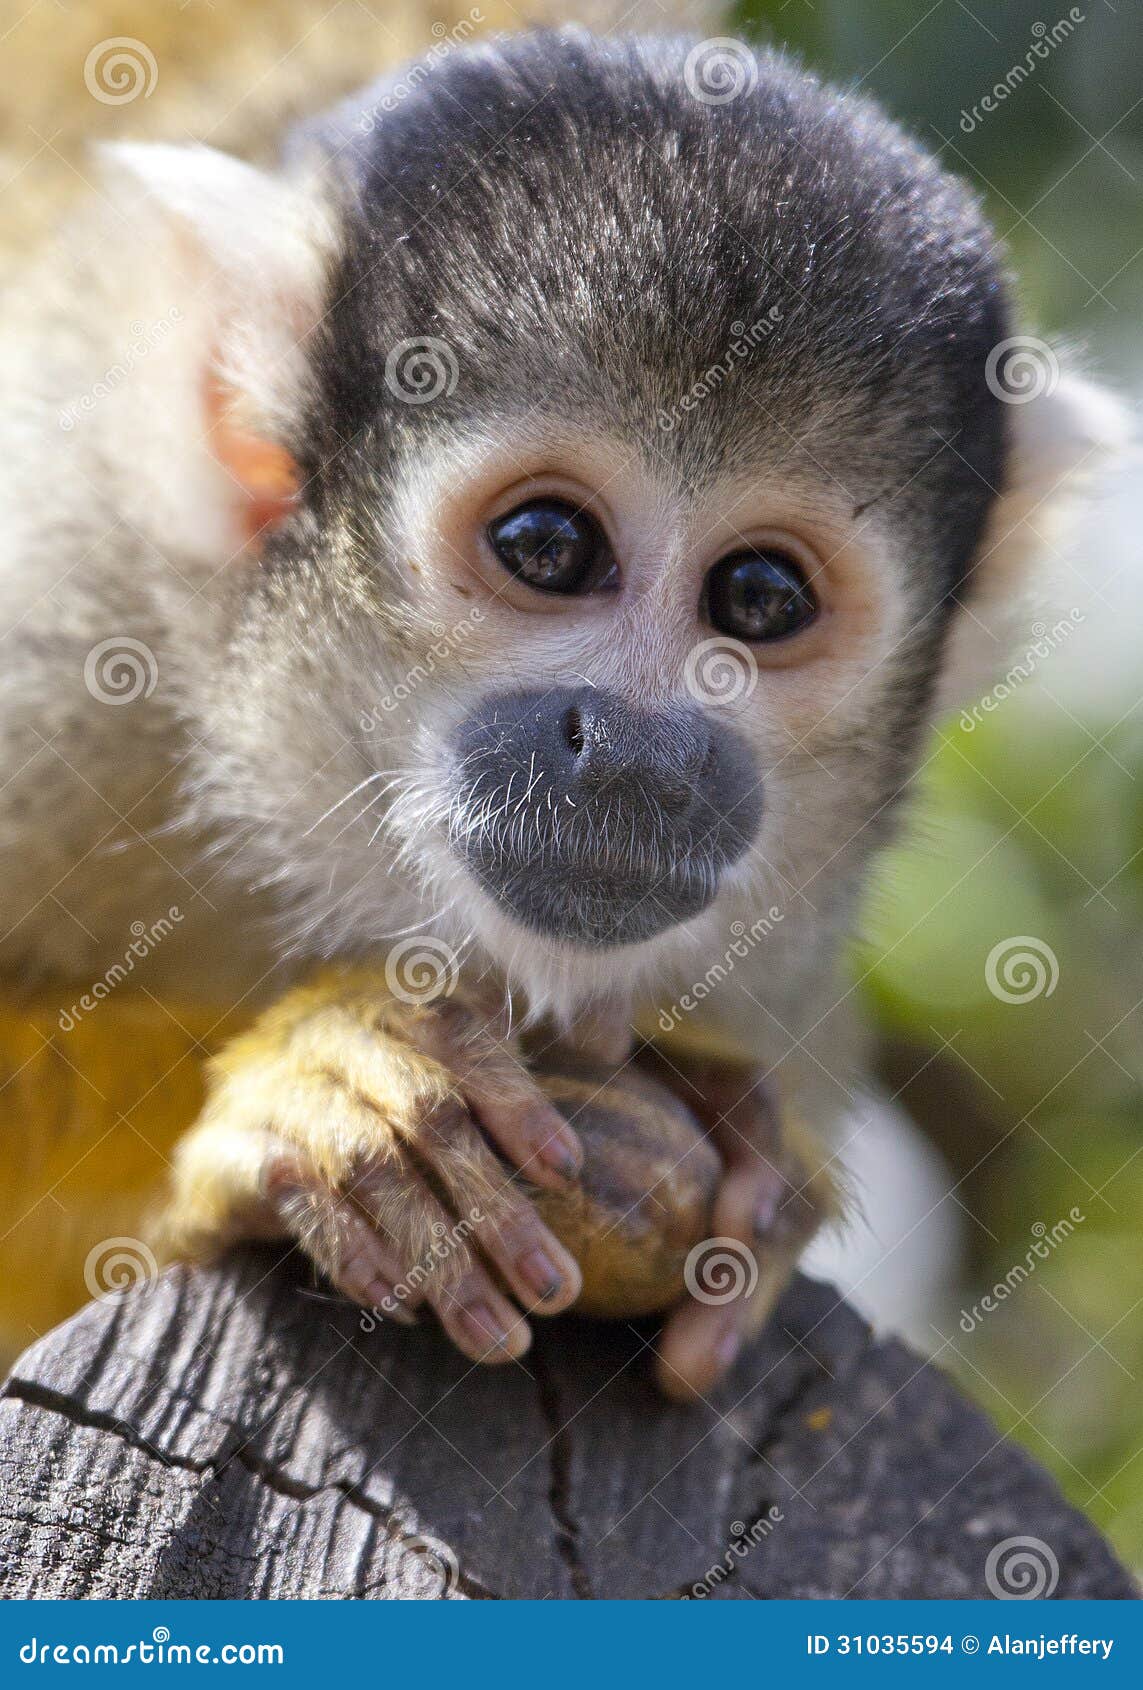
662	450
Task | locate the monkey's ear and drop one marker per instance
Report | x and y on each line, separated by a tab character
1060	442
229	263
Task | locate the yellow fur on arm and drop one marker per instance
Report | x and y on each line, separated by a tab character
89	1118
333	1071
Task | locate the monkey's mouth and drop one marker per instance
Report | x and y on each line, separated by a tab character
589	902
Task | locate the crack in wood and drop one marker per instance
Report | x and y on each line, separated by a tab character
560	1486
35	1395
42	1397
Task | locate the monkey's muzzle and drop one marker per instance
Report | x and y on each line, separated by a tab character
594	821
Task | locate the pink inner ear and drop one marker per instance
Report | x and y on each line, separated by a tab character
265	472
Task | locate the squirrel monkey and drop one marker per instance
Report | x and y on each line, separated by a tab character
504	560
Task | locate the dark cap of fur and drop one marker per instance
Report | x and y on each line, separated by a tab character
589	237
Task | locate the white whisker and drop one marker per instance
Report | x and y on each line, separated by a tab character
378	774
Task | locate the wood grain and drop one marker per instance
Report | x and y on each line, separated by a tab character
234	1433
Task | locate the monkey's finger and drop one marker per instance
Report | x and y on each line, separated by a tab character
440	1263
500	1092
769	1216
702	1339
335	1234
538	1268
742	1119
778	1187
523	1123
480	1321
738	1108
697	1346
745	1125
233	1181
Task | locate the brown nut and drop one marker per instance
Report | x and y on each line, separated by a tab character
644	1197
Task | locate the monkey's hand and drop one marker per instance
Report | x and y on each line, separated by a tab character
776	1191
363	1127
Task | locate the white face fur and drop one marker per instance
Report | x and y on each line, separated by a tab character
793	702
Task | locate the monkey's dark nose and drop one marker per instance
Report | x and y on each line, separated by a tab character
595	820
653	760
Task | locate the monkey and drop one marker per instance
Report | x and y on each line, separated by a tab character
492	575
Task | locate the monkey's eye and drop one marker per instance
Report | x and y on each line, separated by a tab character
759	595
554	547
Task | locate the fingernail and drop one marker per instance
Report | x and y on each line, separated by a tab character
560	1150
541	1273
488	1330
387	1305
765	1214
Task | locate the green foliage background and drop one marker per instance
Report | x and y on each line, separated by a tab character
1030	822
